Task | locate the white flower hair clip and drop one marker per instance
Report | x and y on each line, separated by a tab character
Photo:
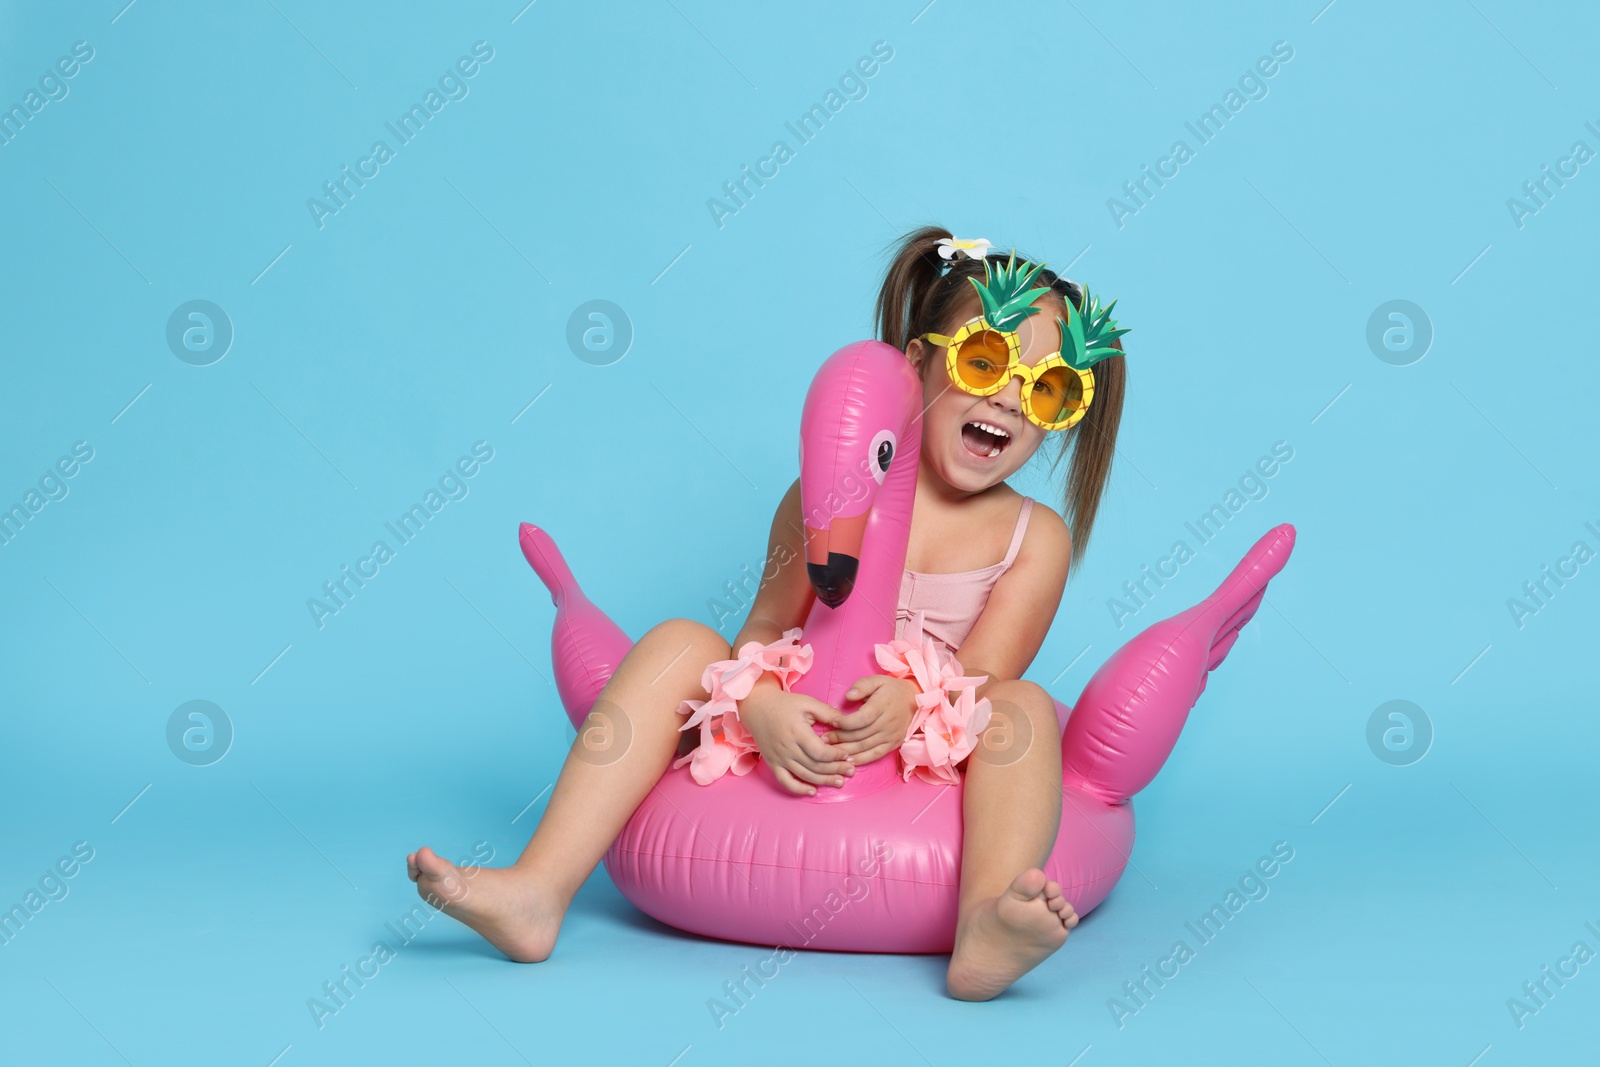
973	248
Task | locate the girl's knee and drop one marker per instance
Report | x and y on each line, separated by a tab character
688	633
1031	697
1022	718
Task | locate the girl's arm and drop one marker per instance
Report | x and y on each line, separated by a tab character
783	600
1022	604
1002	643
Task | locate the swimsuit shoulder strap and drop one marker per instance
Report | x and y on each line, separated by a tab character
1022	528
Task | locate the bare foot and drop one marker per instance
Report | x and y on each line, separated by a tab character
1001	939
512	911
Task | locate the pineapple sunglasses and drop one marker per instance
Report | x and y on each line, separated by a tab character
982	360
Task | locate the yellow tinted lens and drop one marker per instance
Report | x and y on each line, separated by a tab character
1057	394
982	359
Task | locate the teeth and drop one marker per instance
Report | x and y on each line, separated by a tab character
994	450
991	427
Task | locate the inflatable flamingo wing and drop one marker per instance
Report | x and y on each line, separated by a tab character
874	866
1130	714
585	645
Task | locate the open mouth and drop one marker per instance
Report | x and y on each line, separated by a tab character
984	439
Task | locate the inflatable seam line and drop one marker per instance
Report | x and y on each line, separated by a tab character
721	861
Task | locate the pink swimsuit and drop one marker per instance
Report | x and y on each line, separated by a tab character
946	607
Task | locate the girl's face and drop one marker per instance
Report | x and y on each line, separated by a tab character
958	442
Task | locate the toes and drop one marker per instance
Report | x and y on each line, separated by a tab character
1029	884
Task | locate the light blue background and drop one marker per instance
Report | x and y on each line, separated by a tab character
427	314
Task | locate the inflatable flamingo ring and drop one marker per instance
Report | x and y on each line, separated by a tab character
873	866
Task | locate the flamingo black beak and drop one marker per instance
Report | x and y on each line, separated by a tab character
833	557
834	580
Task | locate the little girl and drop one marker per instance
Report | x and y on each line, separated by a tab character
986	569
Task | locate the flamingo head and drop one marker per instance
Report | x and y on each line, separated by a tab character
862	416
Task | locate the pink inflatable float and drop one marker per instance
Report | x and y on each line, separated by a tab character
873	866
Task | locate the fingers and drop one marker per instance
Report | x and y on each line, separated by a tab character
817	752
816	763
877	751
839	737
836	768
870	708
864	687
825	713
856	730
805	774
855	745
789	782
859	723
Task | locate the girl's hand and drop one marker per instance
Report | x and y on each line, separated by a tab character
780	721
879	725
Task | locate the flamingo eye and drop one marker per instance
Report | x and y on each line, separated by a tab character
882	453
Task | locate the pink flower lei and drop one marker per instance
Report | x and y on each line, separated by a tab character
942	732
725	745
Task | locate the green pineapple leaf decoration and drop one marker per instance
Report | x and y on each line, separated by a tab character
1086	336
1006	298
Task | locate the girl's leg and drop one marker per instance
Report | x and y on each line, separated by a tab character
1011	917
629	738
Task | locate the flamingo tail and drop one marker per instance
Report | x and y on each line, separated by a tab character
585	644
1127	721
